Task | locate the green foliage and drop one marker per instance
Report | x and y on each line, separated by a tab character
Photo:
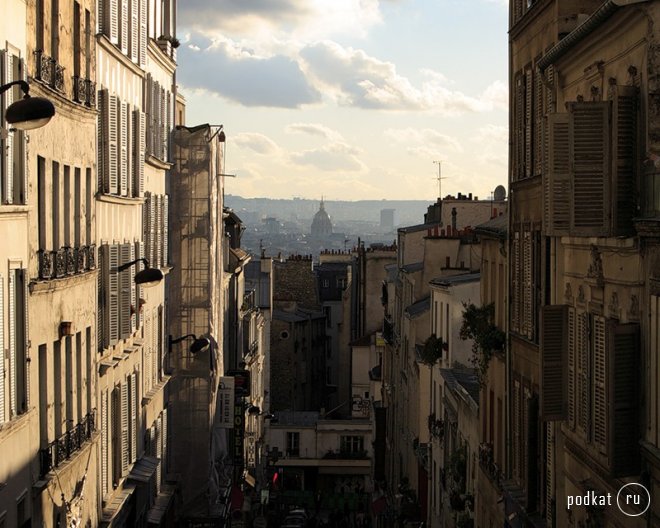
486	338
431	351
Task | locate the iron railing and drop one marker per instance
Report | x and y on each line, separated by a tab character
63	448
49	71
66	261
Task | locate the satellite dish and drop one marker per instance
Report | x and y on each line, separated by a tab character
499	194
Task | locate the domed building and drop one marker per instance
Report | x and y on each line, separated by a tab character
321	225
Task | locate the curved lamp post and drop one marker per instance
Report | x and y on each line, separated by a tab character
30	112
148	276
200	344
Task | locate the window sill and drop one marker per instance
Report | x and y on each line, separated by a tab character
14	209
52	285
122	200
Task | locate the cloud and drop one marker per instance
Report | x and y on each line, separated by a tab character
238	74
314	129
256	142
356	79
493	145
423	138
333	157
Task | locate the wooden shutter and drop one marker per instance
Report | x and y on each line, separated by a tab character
599	384
625	378
147	224
549	472
2	350
516	419
123	148
111	295
582	363
165	235
515	282
554	345
571	368
529	108
101	328
12	343
113	144
589	163
526	316
124	26
158	242
135	30
139	253
148	351
8	190
138	152
133	286
113	20
159	452
133	415
154	348
125	446
125	280
167	125
102	149
104	442
143	34
625	156
556	181
165	432
537	139
130	158
101	13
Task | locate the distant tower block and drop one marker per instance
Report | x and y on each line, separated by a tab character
499	195
387	219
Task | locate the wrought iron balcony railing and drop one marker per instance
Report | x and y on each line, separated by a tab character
84	91
49	71
66	261
62	449
488	464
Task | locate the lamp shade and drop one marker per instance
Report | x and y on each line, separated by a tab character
148	277
201	344
30	113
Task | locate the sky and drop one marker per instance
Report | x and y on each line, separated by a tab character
350	99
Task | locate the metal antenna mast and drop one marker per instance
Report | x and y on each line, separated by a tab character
439	178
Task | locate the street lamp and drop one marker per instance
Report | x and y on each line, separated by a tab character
30	112
148	276
200	344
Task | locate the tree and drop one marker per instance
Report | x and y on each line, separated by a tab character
486	338
431	351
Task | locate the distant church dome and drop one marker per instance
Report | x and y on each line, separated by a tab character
321	225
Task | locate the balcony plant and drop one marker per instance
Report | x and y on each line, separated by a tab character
431	351
486	337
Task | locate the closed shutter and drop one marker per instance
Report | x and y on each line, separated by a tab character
130	149
537	140
165	234
101	327
154	348
159	452
158	120
556	181
8	189
164	455
125	446
101	13
524	434
167	124
113	20
158	242
143	34
625	150
125	280
102	149
139	253
12	343
133	423
2	350
104	442
124	26
549	473
515	282
519	128
599	384
554	344
526	317
625	377
146	104
529	87
571	367
25	342
134	304
589	159
516	419
148	352
113	144
135	30
123	148
111	295
582	371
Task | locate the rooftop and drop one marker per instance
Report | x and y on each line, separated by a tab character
454	280
419	307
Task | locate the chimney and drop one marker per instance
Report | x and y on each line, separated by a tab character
453	218
470	196
447	262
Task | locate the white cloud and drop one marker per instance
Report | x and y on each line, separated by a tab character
333	157
314	129
423	138
256	142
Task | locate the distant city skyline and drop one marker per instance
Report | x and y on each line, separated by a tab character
353	99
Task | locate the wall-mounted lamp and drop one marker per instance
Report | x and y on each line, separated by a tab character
148	276
30	112
200	344
253	410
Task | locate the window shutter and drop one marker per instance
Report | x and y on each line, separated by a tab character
158	242
571	367
549	472
517	444
164	455
101	313
515	282
22	160
167	123
12	343
130	149
146	226
143	33
113	21
582	363
124	27
625	378
2	350
123	146
554	344
146	104
125	447
139	253
158	121
519	123
9	140
25	353
154	348
133	410
625	150
527	327
529	87
113	145
138	153
537	140
159	452
135	30
104	442
589	162
599	384
148	352
165	234
125	280
556	181
134	305
111	295
102	140
101	13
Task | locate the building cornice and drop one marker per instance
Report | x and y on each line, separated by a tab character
63	105
65	283
120	200
108	46
159	56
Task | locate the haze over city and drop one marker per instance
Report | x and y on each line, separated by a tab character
351	99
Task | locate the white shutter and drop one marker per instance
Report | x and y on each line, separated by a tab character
165	235
23	138
102	140
125	447
124	27
159	452
141	152
582	359
133	409
158	242
600	384
104	442
143	33
133	286
154	347
123	146
164	457
2	350
125	280
101	10
146	226
148	352
130	139
9	141
139	253
12	342
113	21
137	153
167	110
111	295
135	30
113	143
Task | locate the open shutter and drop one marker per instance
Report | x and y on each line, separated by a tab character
113	21
165	234
105	434
571	367
625	150
154	348
556	181
25	353
123	148
599	384
113	144
167	124
8	190
111	295
125	280
165	431
125	447
517	444
527	326
133	411
529	87
22	138
101	328
589	157
124	26
2	350
143	34
582	363
549	472
135	30
138	152
146	226
134	304
158	242
12	343
515	282
130	158
537	140
139	253
159	452
554	344
624	374
102	150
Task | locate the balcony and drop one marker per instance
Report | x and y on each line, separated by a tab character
62	449
84	91
66	261
488	464
48	71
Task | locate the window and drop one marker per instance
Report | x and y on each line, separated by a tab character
124	23
159	109
351	445
293	444
326	283
525	282
17	296
155	221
